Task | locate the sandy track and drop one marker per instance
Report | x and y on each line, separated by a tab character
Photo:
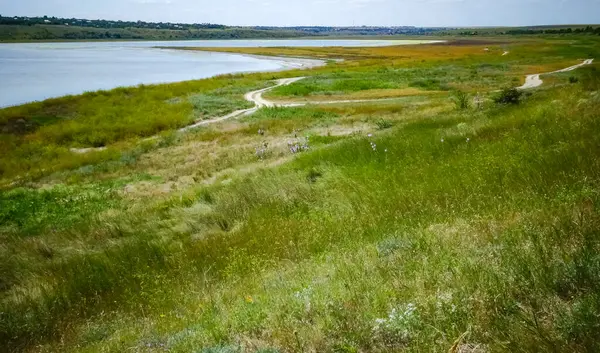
533	81
254	97
257	97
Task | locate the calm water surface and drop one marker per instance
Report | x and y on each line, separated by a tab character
36	71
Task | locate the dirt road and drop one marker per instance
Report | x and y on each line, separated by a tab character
254	97
533	81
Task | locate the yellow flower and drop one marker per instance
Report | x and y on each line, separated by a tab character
249	299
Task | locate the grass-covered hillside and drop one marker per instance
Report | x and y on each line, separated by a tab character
430	221
48	32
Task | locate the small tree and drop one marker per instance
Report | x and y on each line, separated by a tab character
461	100
509	96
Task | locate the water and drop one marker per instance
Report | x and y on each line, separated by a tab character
37	71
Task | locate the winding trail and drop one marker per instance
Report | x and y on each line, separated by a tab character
256	97
533	81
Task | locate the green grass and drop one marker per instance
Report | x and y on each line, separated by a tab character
124	114
417	224
311	114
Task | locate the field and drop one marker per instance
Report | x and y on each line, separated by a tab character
423	222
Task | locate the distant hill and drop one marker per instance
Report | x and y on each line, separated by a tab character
20	28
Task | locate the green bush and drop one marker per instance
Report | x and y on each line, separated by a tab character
509	96
461	100
383	124
590	79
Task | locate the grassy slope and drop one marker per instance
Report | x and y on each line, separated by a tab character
482	222
18	33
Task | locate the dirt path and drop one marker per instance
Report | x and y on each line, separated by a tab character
254	97
533	81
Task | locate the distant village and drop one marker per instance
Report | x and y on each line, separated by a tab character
295	31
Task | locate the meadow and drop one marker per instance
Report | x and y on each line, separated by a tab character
424	222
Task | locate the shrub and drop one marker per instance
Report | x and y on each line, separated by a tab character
429	84
590	79
383	124
313	175
461	99
509	96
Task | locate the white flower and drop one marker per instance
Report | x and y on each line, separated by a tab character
442	140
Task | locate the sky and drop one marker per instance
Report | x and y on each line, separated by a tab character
422	13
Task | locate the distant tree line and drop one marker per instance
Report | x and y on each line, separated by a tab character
361	30
538	31
52	33
192	31
579	30
45	20
17	28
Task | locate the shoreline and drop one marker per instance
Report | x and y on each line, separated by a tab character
285	63
428	40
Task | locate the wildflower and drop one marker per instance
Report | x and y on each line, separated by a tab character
370	135
379	323
249	299
442	140
401	322
468	139
385	150
298	146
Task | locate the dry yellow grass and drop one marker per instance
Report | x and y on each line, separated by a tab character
360	95
399	54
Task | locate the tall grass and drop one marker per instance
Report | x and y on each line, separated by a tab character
480	225
472	234
104	118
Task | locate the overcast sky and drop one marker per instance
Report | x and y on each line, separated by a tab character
320	12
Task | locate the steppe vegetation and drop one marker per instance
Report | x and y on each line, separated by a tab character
423	222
